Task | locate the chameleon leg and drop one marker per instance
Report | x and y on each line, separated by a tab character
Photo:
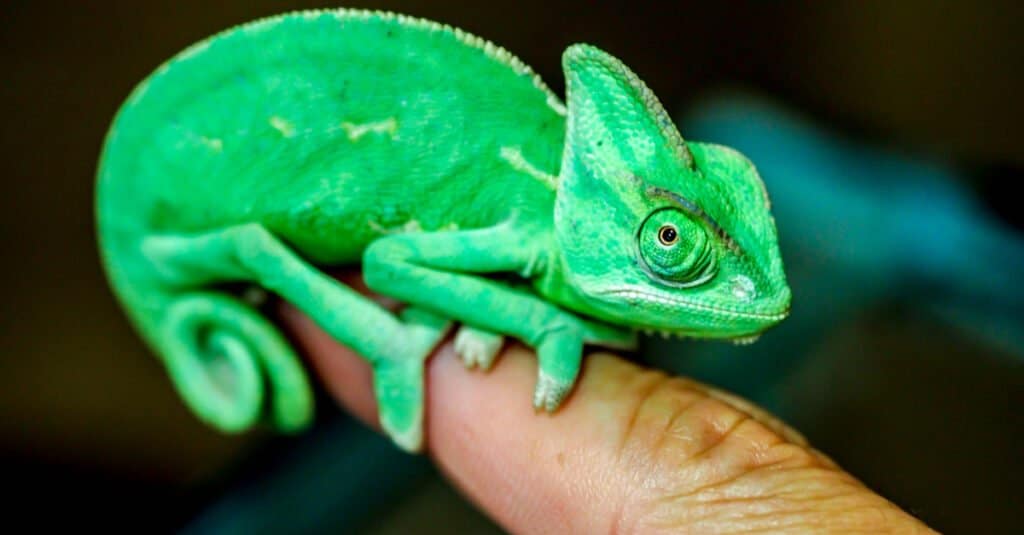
398	381
433	270
396	348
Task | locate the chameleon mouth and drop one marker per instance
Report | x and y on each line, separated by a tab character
636	294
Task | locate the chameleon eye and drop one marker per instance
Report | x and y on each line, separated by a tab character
676	249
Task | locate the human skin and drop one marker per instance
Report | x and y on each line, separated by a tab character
633	450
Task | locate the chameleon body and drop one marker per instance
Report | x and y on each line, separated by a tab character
436	160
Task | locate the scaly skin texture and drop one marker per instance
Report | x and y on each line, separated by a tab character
435	159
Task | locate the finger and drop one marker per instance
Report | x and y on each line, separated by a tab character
630	449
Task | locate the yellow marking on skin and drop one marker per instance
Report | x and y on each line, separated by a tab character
514	157
282	125
355	131
215	144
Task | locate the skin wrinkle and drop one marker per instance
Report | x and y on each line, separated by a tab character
807	478
733	518
744	468
764	446
723	497
771	422
739	491
796	518
642	396
719	436
635	505
688	498
677	413
777	506
645	396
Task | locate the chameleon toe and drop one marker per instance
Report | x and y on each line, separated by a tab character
477	348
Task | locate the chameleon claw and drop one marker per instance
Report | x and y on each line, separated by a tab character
549	393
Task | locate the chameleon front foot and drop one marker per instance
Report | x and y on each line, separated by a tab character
477	348
399	389
550	392
559	356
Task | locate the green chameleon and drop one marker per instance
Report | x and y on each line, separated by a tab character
463	185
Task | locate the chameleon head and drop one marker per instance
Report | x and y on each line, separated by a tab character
654	232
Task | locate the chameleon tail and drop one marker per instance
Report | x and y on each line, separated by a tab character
217	351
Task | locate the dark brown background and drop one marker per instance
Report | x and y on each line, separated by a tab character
88	421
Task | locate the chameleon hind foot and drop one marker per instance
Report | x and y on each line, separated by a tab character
398	379
476	347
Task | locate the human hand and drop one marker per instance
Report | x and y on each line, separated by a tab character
631	450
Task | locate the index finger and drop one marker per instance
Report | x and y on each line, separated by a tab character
630	448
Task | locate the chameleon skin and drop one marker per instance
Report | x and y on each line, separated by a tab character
434	159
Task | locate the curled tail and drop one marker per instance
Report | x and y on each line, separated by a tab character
218	351
228	362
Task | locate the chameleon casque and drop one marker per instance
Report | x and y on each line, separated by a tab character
436	160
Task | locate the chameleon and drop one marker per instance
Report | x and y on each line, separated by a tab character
458	181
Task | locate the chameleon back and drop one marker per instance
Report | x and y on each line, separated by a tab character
330	122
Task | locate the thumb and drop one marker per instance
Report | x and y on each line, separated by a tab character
631	449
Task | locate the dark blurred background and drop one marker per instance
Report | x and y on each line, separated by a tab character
887	133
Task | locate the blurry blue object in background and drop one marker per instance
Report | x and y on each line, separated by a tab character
858	225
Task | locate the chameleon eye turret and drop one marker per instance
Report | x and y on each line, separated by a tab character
676	249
